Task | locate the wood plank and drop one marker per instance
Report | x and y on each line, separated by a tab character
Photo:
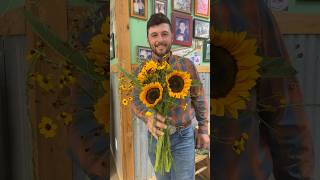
122	37
50	158
298	23
12	23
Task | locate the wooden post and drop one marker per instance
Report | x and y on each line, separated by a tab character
123	55
50	158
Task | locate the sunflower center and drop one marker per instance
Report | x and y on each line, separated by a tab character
47	127
176	84
152	95
224	72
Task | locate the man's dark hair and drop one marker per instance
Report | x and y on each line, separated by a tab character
157	19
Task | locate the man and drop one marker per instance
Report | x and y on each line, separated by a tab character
160	37
278	142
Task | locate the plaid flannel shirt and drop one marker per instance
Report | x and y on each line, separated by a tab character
279	141
196	104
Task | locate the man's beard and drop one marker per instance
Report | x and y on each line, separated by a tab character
160	54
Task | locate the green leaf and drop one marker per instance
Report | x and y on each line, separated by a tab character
72	56
275	68
196	83
131	77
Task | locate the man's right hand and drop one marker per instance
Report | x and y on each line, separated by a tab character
156	125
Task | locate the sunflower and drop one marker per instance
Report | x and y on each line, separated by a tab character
235	68
97	49
163	66
101	111
47	127
149	67
178	83
151	94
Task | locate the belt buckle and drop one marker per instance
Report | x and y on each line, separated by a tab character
172	129
179	127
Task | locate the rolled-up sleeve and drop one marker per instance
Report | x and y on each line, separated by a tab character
198	100
289	136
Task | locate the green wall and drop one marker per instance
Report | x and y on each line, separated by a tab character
138	32
304	6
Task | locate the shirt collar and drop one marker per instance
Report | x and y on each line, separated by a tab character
166	57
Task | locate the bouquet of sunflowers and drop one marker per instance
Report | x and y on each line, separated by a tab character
159	87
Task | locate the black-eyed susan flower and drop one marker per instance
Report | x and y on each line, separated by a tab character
125	101
66	78
44	82
66	117
235	66
178	84
151	94
130	98
47	127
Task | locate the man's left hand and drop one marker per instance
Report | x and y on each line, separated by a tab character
203	141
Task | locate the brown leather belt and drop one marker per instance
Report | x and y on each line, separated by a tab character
175	128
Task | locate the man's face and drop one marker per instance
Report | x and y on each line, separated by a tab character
160	39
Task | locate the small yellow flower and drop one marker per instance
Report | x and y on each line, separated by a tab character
47	127
125	102
238	146
66	117
185	107
122	87
245	136
44	82
148	114
130	98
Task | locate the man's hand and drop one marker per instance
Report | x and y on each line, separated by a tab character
155	125
203	141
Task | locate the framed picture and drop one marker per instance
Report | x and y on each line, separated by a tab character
160	6
143	53
112	46
139	9
201	29
202	8
278	5
206	51
182	6
182	29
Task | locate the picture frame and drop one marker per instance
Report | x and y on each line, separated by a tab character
139	9
201	29
202	8
112	50
206	51
184	6
182	28
143	53
160	6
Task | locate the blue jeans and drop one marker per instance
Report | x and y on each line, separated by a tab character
183	152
